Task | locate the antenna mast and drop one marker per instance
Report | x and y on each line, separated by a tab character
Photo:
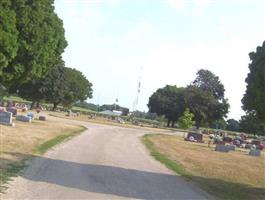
135	103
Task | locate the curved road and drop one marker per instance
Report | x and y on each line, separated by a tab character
105	162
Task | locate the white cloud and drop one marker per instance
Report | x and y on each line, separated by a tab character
177	4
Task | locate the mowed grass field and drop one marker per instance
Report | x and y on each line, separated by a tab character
26	140
233	175
102	120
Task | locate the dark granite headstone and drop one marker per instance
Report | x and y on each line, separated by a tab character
232	147
6	118
256	142
222	148
12	110
227	139
23	118
196	136
254	152
42	118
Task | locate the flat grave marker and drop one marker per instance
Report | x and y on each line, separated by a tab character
222	148
254	152
42	118
23	118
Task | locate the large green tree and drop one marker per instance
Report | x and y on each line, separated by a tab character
78	88
8	35
250	123
40	41
168	101
205	99
61	85
254	98
233	125
8	39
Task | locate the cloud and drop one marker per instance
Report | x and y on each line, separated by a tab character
182	4
176	4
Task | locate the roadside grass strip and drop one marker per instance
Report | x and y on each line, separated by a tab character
42	148
176	167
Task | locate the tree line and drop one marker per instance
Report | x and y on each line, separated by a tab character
32	40
204	99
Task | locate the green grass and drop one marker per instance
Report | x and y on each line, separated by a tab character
42	148
16	99
74	108
176	167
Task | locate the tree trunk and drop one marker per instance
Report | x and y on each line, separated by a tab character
173	124
54	106
32	105
168	122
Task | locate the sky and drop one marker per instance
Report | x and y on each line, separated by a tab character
116	43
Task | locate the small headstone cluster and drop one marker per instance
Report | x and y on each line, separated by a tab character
11	110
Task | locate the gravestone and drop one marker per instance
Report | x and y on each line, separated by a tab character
222	148
231	147
254	152
6	118
196	136
12	110
256	142
31	115
42	118
23	118
227	139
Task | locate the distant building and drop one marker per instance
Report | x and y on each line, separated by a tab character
112	113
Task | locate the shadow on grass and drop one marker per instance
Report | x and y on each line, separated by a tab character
127	182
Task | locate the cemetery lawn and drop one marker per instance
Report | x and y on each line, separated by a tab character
104	121
26	140
233	175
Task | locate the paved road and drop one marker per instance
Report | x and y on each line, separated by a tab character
105	162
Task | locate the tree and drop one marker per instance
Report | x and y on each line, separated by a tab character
219	124
254	98
168	101
60	86
8	38
186	120
209	82
40	41
78	88
251	124
233	125
205	98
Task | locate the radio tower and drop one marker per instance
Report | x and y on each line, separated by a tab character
135	103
